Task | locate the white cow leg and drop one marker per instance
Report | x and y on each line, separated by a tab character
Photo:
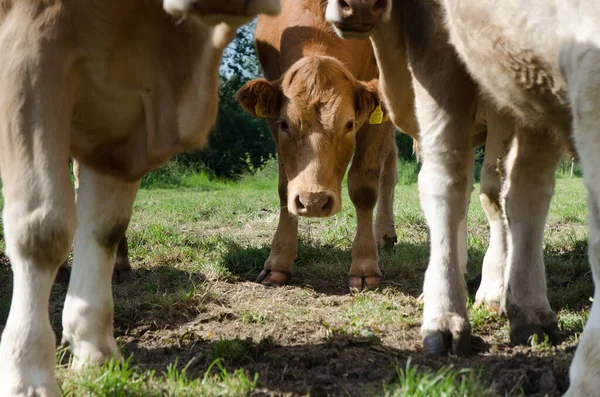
39	203
580	61
446	126
39	223
104	207
463	248
530	177
500	132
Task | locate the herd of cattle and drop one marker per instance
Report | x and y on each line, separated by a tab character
121	86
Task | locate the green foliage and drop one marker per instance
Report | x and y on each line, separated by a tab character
122	379
408	172
405	147
447	382
234	351
239	143
564	169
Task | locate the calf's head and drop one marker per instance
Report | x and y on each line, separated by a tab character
314	111
354	19
234	12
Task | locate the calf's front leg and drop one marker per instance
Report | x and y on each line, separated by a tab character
445	104
39	203
385	227
579	61
500	132
121	273
284	248
104	206
530	176
372	148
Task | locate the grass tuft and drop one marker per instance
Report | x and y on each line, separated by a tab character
447	382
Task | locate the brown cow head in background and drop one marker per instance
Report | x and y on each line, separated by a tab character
314	112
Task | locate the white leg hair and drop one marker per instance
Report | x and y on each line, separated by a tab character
37	242
463	248
530	176
104	207
580	62
500	131
443	191
446	126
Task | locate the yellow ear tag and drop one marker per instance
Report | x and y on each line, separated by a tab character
260	111
377	117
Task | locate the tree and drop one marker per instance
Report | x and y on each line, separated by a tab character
238	143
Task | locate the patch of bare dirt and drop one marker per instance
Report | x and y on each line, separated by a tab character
297	349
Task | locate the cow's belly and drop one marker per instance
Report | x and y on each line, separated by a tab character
135	106
108	126
511	48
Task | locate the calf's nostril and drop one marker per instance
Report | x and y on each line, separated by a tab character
343	4
299	204
328	205
379	5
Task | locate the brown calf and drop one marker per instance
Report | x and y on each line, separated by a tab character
321	112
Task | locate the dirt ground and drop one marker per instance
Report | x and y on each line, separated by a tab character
309	356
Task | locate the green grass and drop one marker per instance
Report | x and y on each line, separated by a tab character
446	382
196	324
122	379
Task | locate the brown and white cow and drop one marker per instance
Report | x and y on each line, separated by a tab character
540	60
321	102
120	86
412	32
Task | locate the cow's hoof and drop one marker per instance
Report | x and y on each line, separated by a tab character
524	334
388	241
96	351
491	306
21	387
274	278
437	343
63	275
122	276
362	283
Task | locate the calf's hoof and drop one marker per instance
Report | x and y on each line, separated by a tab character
362	283
63	275
438	343
526	323
274	278
388	241
122	272
122	276
95	351
16	387
524	333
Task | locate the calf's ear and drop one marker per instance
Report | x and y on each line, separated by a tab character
260	98
369	106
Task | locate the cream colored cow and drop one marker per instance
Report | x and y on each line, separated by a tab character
539	60
120	86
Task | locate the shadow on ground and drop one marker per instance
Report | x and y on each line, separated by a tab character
346	365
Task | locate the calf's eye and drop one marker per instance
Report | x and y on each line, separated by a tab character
284	125
350	125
